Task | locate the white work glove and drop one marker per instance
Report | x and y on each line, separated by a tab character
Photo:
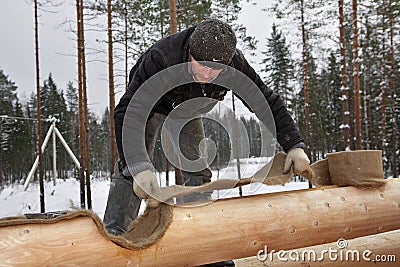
145	186
297	159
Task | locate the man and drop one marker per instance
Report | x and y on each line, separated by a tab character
208	48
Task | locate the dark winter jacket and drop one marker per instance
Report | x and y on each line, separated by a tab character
174	50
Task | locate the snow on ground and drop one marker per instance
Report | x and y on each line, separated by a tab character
65	194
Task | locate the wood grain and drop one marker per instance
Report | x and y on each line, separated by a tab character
225	229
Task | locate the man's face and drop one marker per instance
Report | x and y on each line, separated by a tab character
201	73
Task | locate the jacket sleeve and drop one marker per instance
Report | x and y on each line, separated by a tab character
148	64
287	132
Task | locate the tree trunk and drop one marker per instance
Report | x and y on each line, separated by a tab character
172	8
370	125
235	143
383	91
305	85
356	75
85	112
113	148
393	92
39	128
173	29
344	86
80	106
126	45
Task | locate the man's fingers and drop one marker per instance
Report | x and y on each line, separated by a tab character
300	165
288	165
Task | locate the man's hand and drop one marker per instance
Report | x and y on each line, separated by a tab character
297	158
145	184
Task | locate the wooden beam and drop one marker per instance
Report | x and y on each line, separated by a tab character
224	229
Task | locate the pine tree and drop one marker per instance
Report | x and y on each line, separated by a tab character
8	99
99	139
228	10
370	39
191	12
218	134
330	108
8	94
394	8
278	66
253	135
356	77
22	144
72	116
104	137
344	80
53	104
314	96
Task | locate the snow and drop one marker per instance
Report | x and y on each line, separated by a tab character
65	194
62	196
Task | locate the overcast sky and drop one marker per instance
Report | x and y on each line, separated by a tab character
58	47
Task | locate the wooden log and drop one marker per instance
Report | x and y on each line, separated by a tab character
373	250
225	229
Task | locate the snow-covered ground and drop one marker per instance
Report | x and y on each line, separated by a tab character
65	194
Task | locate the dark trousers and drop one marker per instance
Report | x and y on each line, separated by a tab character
123	204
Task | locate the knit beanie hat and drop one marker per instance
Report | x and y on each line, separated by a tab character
214	41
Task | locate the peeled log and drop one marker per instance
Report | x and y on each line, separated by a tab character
225	229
